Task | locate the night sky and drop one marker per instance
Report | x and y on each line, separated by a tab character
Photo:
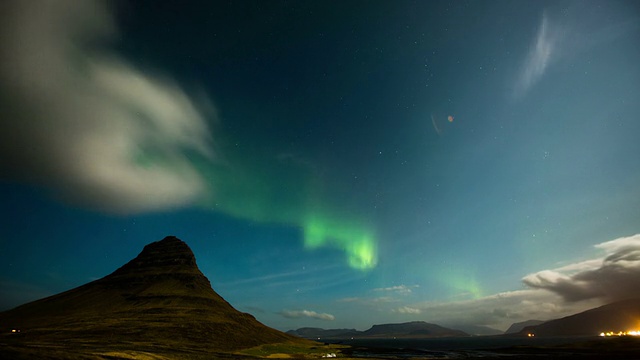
330	163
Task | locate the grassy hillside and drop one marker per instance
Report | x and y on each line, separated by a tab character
158	303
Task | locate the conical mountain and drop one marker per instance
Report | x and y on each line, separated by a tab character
159	300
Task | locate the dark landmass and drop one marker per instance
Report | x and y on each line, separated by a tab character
618	316
476	330
159	303
413	330
563	348
519	326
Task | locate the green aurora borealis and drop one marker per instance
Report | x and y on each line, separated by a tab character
287	191
379	162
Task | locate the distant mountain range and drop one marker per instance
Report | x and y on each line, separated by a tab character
618	316
414	329
157	303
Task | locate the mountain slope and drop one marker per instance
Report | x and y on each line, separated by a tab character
619	316
160	299
517	327
475	330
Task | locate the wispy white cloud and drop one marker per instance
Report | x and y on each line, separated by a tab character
85	123
381	300
306	280
407	310
294	314
620	245
567	30
384	296
540	55
290	276
398	289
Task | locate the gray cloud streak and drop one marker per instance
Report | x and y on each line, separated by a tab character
566	31
85	124
541	53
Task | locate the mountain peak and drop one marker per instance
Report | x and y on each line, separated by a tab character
168	251
167	255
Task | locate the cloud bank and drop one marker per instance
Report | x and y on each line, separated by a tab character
295	314
616	276
86	124
95	131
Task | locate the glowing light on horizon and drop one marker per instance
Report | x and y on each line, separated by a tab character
621	333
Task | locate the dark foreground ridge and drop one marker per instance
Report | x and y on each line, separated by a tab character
157	303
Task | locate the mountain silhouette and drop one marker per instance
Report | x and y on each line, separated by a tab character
618	316
517	327
157	302
414	329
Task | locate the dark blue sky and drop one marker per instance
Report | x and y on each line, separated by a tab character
304	151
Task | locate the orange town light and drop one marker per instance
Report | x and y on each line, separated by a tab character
621	333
